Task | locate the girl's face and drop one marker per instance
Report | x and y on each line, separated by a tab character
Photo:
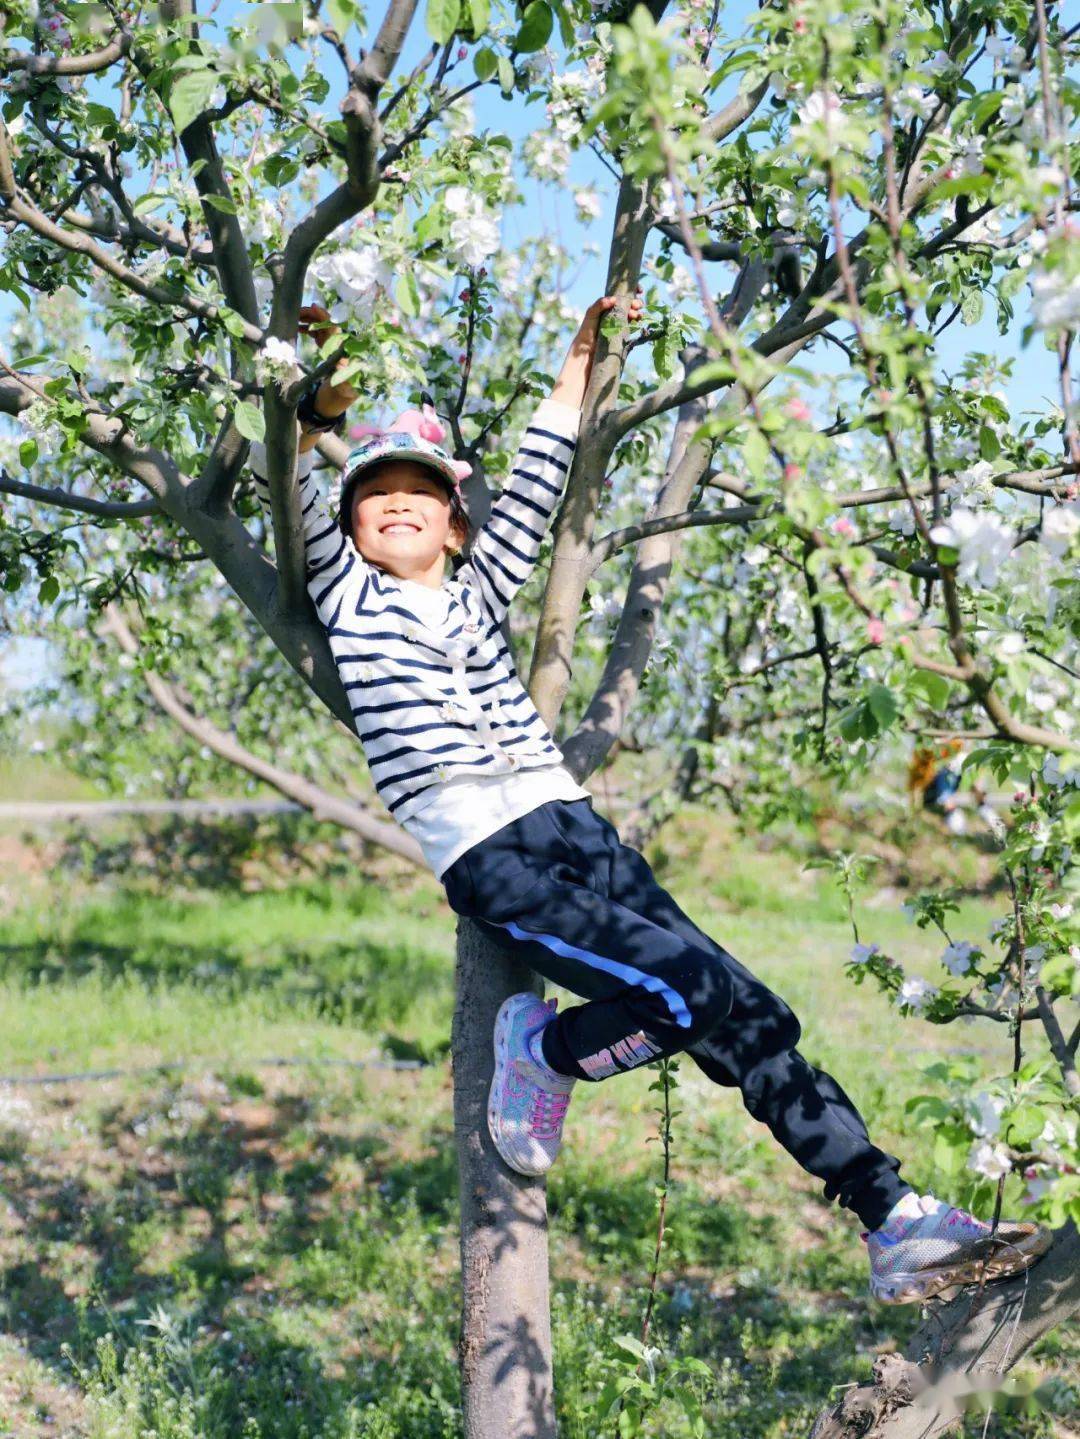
401	520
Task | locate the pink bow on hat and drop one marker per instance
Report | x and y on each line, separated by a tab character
423	423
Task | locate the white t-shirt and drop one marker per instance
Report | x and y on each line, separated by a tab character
464	810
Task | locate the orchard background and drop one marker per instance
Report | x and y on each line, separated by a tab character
823	512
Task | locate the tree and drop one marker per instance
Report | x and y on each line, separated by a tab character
866	176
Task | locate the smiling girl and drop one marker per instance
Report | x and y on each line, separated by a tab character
463	761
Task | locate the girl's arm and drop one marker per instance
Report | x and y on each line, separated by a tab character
505	549
328	554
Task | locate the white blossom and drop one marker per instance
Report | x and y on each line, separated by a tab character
915	993
1060	526
474	237
911	102
820	106
1054	775
987	1110
357	276
277	360
860	953
989	1160
983	542
902	520
589	204
957	958
1055	289
975	478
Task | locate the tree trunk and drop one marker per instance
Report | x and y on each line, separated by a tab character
505	1343
962	1349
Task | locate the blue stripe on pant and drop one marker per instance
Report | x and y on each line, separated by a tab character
586	912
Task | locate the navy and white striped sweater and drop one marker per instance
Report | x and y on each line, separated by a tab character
432	701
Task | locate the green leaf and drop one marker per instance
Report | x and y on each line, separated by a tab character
507	78
755	453
189	95
485	63
407	295
48	590
342	13
951	1148
28	453
249	420
631	1345
883	707
442	19
480	16
152	200
989	445
1025	1124
536	27
971	306
225	203
935	688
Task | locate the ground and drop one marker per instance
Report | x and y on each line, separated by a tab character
240	1246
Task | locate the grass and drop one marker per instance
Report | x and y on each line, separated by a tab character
236	1251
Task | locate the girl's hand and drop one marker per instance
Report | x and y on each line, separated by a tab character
331	399
573	379
590	325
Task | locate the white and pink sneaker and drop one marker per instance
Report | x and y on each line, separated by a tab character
925	1246
528	1100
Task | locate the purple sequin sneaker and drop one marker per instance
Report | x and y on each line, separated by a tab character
925	1247
528	1101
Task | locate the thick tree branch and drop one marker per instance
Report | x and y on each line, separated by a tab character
82	504
960	1350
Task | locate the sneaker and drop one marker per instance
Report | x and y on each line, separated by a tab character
925	1246
528	1101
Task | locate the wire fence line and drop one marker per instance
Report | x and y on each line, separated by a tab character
183	1065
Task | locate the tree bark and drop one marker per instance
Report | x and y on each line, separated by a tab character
505	1345
959	1351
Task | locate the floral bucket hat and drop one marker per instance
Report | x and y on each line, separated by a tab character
414	435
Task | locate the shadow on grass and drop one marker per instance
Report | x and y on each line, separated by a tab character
281	1263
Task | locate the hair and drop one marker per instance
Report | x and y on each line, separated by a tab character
459	515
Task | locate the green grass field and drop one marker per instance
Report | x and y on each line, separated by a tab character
235	1249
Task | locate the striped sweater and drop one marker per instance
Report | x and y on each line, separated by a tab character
434	699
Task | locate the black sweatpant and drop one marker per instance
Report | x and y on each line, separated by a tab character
587	913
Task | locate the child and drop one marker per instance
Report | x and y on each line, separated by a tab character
463	761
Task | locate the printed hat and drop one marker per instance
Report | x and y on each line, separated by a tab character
414	435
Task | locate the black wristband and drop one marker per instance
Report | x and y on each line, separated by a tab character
323	424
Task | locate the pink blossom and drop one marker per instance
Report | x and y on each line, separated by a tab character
875	631
798	410
844	528
462	52
792	473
